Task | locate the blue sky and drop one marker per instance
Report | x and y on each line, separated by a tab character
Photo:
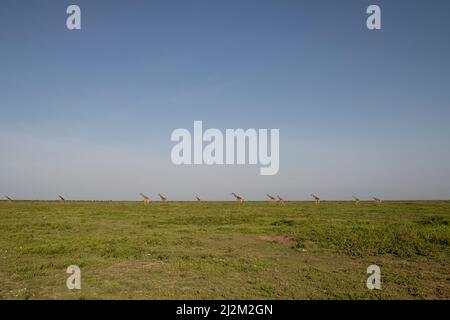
89	114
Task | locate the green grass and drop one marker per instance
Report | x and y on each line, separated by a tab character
224	250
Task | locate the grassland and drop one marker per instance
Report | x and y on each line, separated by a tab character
223	250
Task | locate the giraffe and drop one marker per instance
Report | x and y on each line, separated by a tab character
61	198
198	199
272	198
163	199
356	200
316	198
146	199
377	200
238	198
280	200
8	199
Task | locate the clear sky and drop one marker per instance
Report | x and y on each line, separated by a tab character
88	114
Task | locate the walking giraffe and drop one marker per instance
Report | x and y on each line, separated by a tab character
238	198
163	199
272	198
316	198
356	200
146	199
280	200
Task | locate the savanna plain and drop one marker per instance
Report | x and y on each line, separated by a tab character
224	250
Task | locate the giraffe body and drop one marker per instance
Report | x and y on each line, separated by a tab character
237	197
146	199
316	198
377	200
272	199
280	200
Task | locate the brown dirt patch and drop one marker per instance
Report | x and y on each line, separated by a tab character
282	239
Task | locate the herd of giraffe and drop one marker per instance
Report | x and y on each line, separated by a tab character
237	197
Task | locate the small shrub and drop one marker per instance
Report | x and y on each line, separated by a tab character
283	222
